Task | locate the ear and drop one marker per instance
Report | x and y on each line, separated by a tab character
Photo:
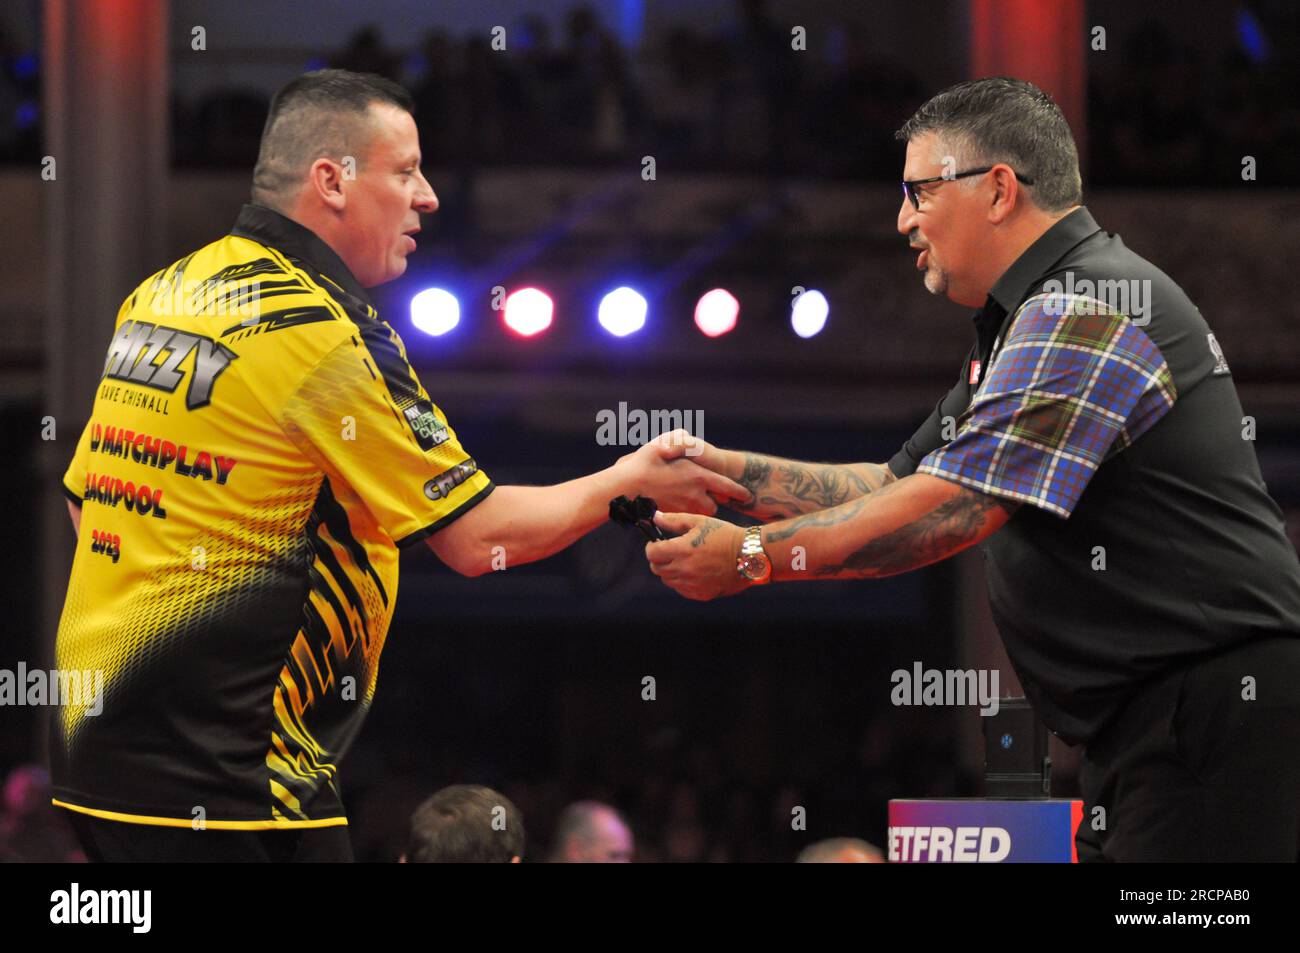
325	179
1006	193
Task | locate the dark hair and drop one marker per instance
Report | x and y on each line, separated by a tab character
465	824
1006	120
318	114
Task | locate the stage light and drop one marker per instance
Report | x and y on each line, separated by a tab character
716	312
435	311
622	312
808	313
528	311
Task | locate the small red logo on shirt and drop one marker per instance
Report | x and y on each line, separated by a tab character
974	372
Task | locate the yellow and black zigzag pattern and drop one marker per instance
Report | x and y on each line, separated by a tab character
331	669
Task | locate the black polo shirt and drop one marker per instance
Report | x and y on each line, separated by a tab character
1097	396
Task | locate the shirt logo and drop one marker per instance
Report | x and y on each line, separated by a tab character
136	344
428	429
974	371
1220	362
440	487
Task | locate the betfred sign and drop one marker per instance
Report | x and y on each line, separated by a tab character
979	831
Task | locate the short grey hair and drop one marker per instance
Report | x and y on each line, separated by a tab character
1002	119
319	114
456	826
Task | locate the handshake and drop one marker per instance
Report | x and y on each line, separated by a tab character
689	478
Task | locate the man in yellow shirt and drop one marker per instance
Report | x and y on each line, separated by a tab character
258	452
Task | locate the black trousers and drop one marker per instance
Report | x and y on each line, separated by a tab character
1190	770
117	842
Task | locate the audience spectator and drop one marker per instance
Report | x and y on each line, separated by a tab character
30	830
841	850
590	832
466	824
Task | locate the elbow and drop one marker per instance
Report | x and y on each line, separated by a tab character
472	568
475	560
464	560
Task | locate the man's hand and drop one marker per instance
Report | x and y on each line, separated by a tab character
664	470
682	443
779	488
701	564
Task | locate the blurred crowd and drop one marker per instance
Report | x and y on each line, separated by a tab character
31	830
681	801
739	98
683	804
1170	116
467	823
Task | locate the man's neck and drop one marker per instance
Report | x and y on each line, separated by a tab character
1022	234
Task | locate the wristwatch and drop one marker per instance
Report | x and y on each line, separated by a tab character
752	564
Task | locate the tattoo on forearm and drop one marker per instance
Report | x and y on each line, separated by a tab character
703	534
830	517
799	488
754	479
951	526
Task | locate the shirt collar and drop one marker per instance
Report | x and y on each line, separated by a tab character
1036	260
269	227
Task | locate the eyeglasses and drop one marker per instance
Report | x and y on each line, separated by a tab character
909	188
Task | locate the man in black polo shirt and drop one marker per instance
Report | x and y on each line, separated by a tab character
1138	570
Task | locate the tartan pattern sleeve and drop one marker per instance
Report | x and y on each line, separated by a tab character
1074	383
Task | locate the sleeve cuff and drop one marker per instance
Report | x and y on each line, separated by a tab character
445	521
902	464
69	494
989	489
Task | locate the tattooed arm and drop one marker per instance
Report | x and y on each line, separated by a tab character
908	524
911	523
784	488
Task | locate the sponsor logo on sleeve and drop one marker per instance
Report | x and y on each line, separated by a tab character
440	487
428	429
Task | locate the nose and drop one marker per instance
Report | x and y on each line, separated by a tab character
906	217
424	200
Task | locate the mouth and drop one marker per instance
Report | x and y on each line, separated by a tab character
922	259
409	235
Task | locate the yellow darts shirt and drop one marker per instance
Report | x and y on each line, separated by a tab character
258	451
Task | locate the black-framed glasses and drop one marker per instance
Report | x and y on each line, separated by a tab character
909	188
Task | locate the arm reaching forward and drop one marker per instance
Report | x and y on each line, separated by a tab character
911	523
781	488
528	523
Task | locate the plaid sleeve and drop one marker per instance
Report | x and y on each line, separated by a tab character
1073	383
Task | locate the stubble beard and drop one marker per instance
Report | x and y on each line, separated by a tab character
936	279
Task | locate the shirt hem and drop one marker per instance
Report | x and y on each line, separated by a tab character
217	825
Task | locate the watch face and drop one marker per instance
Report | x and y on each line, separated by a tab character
753	567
